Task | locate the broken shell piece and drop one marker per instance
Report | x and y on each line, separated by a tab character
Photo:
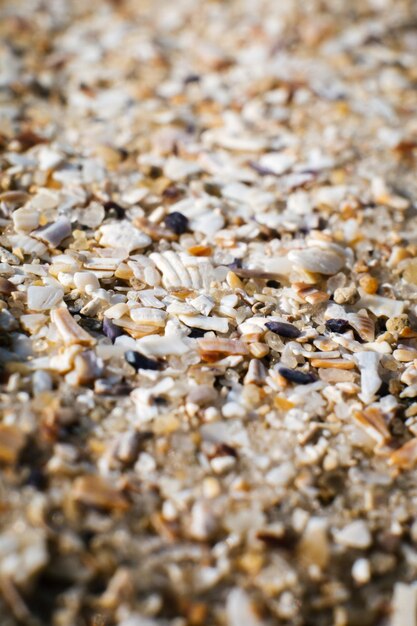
373	422
183	270
276	162
354	535
87	368
33	322
148	316
318	260
256	373
55	232
363	325
155	345
43	298
95	491
25	219
28	245
370	380
217	324
69	330
406	456
379	305
123	235
218	348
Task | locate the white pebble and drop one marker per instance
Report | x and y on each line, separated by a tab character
86	282
361	571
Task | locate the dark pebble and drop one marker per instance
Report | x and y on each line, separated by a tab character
90	324
236	264
177	222
111	330
337	325
295	376
37	479
283	329
191	78
114	209
196	333
273	284
141	362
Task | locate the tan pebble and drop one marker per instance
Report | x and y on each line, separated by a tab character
368	283
200	251
12	440
404	354
398	324
6	287
95	491
234	281
346	295
336	375
341	364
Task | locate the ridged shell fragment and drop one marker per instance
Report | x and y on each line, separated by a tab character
181	270
363	325
149	316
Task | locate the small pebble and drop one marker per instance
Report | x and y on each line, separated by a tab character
337	325
177	222
283	329
111	330
296	376
141	362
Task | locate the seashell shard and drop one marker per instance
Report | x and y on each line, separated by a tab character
218	324
363	325
43	298
69	330
222	346
149	316
406	456
373	422
370	380
55	232
123	235
318	260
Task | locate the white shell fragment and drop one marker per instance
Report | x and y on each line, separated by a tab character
354	535
317	260
123	235
55	232
368	363
68	329
43	298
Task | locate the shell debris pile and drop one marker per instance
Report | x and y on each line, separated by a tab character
208	313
